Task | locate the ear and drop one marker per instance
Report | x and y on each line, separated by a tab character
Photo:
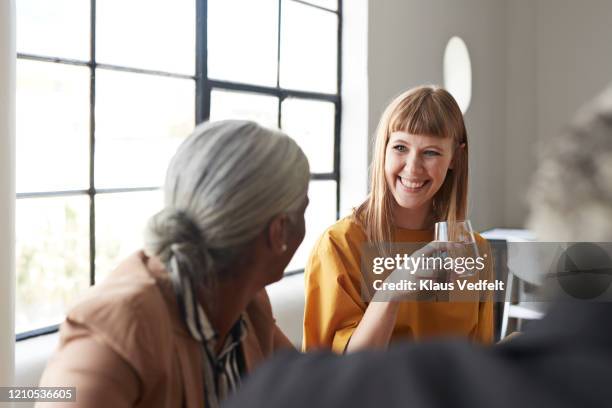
277	234
452	163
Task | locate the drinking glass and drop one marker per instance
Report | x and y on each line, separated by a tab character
459	241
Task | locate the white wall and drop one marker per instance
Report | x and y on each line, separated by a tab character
521	107
7	189
534	63
559	56
406	45
574	40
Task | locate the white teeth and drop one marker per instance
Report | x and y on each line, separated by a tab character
412	184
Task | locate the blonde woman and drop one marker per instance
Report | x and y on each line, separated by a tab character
562	361
180	323
419	176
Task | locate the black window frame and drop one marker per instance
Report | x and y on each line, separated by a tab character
203	89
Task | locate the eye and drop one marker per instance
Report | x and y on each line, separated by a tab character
400	148
431	153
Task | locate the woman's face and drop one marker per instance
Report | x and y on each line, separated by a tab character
291	234
416	166
297	229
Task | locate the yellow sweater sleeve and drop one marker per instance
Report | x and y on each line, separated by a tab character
333	306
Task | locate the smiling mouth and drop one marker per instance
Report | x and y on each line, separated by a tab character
413	186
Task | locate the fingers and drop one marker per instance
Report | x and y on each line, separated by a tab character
429	249
436	247
427	273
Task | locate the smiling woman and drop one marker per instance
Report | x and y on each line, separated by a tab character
419	177
415	169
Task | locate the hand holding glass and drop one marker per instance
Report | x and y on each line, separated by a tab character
462	244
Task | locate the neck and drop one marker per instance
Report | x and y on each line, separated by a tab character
413	218
231	299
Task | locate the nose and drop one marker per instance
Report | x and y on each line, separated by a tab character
413	164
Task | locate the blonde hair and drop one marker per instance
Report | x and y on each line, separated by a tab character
426	110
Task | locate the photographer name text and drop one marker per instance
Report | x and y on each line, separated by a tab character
430	285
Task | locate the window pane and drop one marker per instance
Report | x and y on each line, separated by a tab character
52	250
140	121
309	57
311	124
52	126
320	215
58	28
242	40
328	4
120	222
262	109
150	34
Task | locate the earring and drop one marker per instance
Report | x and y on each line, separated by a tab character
284	247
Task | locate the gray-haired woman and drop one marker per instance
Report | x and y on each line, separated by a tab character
181	322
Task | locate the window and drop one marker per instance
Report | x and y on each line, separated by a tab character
106	91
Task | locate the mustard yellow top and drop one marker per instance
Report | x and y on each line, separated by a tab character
334	304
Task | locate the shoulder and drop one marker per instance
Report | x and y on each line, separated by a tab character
338	249
126	312
343	234
128	293
347	226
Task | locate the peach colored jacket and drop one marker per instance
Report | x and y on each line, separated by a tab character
124	345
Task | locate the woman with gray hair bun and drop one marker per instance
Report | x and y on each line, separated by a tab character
181	322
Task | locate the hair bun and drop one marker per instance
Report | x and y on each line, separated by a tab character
186	230
173	230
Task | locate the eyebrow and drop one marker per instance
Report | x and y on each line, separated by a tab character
399	139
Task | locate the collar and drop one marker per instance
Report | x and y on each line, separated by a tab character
236	335
158	272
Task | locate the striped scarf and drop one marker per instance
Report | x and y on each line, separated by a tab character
222	372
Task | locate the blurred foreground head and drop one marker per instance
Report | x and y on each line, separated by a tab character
571	196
